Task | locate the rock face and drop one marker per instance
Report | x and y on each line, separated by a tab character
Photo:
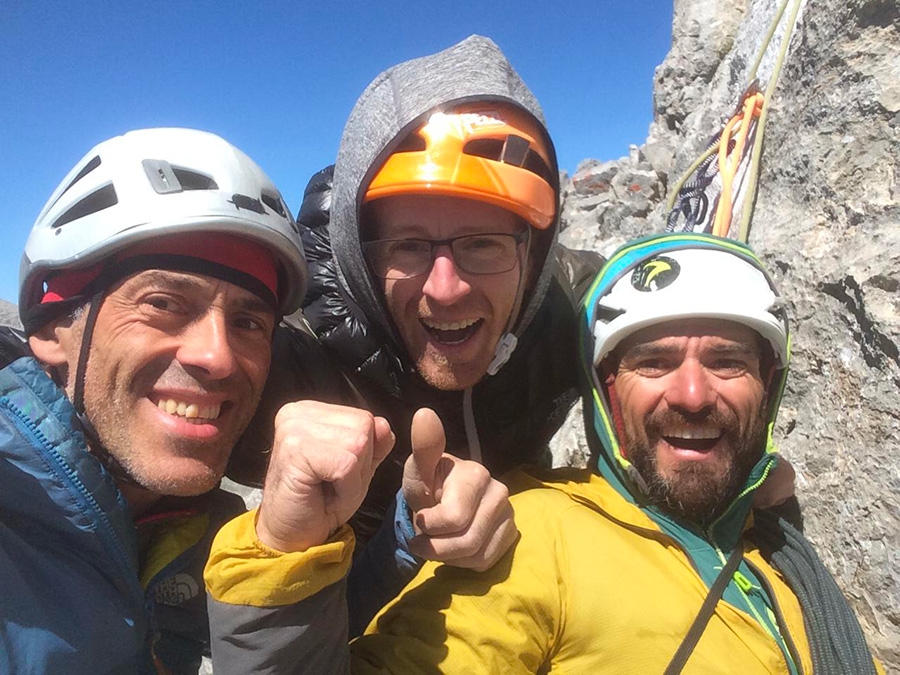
9	315
827	222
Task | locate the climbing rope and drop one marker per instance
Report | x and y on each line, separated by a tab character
729	148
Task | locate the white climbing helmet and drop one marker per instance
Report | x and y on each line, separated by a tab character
158	182
703	282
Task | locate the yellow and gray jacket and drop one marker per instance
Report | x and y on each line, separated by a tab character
599	581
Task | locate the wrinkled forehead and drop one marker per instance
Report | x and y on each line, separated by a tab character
195	287
713	332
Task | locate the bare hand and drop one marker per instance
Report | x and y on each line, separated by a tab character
462	516
323	459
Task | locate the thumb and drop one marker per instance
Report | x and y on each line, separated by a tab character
419	474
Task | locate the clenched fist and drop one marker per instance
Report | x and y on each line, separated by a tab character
323	459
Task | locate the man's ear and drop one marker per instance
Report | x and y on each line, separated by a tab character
47	346
56	344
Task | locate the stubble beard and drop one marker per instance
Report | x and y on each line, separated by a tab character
110	417
441	373
697	491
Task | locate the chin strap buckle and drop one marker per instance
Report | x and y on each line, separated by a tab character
504	350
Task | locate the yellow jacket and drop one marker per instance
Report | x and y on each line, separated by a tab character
592	586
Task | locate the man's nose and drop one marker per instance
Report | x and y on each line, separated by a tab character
206	345
444	285
691	388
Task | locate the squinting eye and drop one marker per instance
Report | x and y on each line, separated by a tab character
161	303
729	365
249	323
651	366
481	243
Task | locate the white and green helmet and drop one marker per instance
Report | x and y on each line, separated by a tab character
674	276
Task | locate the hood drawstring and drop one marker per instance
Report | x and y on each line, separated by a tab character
471	428
508	341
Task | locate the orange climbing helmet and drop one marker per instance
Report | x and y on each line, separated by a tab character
491	153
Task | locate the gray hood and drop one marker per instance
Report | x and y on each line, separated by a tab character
396	101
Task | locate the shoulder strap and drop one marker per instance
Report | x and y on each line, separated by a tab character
706	611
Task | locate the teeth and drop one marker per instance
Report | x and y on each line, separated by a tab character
693	433
190	410
451	325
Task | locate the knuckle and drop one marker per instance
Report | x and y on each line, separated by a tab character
500	490
366	419
357	442
479	471
481	564
291	409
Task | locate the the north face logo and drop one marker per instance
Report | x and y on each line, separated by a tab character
177	590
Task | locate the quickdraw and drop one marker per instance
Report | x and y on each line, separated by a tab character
704	199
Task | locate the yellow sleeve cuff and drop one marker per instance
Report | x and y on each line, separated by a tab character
241	570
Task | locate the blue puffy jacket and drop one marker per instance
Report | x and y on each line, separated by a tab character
77	592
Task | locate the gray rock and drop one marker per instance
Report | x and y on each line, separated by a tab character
827	222
9	315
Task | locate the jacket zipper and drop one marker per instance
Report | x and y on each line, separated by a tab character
108	533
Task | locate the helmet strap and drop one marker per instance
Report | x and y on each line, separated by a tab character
95	445
615	411
85	350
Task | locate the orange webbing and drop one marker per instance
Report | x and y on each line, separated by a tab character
752	107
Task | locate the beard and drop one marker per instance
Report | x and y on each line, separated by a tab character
698	491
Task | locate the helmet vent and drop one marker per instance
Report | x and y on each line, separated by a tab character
273	202
248	203
166	178
412	143
94	202
86	169
192	180
90	166
607	314
513	150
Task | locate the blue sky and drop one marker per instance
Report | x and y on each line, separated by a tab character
278	79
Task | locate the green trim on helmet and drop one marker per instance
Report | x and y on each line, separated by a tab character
622	261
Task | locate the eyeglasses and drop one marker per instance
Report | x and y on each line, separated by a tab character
472	253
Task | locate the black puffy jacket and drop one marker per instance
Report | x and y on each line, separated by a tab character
516	411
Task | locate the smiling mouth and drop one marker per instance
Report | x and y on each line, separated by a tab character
700	439
190	412
451	332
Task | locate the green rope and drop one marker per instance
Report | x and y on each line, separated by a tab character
750	197
756	155
836	641
766	40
